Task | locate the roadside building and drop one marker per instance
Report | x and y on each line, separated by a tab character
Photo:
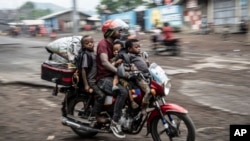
218	14
227	13
62	21
6	16
189	15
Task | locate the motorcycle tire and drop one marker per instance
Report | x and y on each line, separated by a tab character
74	109
176	51
158	132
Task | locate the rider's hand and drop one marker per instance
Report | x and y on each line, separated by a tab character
118	62
90	90
87	88
127	75
133	67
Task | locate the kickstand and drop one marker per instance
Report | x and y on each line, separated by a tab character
55	90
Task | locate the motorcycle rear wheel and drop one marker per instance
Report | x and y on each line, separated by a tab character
183	122
75	106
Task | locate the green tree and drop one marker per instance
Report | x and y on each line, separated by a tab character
28	11
27	5
117	6
39	13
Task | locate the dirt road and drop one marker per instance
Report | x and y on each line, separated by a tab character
210	79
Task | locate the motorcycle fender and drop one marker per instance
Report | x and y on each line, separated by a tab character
166	108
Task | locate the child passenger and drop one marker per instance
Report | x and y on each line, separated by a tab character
118	49
88	73
134	52
117	46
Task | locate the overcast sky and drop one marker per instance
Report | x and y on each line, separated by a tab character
81	4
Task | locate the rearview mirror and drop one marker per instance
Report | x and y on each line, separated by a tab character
145	55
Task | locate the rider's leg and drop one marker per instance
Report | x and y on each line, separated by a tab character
145	88
99	101
119	103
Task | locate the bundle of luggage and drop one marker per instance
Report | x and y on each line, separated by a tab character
60	66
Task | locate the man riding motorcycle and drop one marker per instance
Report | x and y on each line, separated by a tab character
111	30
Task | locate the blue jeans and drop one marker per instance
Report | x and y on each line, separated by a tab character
106	85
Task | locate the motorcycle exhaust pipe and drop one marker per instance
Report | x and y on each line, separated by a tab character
73	124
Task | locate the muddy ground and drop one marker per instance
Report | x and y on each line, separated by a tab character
31	113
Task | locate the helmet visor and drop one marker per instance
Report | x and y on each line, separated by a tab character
119	24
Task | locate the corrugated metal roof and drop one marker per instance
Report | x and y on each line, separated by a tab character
33	22
59	13
94	18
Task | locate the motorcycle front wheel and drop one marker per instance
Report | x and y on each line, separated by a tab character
76	108
176	51
181	122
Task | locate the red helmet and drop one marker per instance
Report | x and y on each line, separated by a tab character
110	26
106	26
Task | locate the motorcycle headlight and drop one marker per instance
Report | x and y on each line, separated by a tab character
167	86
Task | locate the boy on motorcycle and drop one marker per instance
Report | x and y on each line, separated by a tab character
118	50
133	57
87	66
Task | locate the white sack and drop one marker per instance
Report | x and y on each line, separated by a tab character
66	47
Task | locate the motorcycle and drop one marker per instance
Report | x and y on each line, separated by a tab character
160	46
164	121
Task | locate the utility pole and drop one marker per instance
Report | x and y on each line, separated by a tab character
248	23
75	19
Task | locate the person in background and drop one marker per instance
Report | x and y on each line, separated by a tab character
243	26
37	30
156	37
169	38
32	30
53	34
204	25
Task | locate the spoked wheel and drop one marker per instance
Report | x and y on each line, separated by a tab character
77	109
183	130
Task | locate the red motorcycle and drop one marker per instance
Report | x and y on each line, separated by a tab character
164	121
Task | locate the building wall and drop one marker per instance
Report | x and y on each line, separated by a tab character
227	12
210	13
243	12
192	15
218	12
65	17
65	21
156	17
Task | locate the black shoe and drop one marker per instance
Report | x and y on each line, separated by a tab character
116	129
